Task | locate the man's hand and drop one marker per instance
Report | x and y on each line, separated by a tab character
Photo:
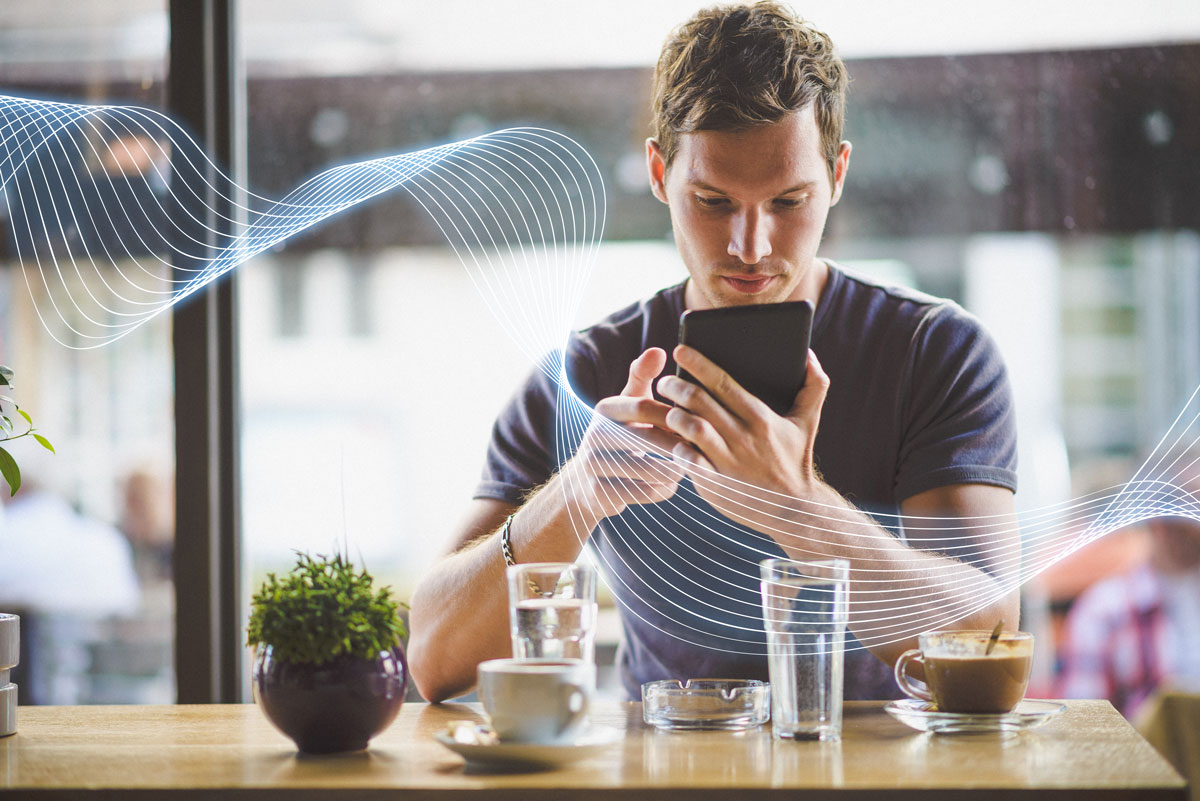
614	466
746	461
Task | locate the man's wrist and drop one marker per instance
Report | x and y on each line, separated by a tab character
506	543
579	512
542	531
827	516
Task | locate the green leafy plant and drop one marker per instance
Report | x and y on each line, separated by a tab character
324	609
9	431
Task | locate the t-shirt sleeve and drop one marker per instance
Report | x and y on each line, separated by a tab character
521	453
959	422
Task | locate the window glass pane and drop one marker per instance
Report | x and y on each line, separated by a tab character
370	362
1040	174
85	546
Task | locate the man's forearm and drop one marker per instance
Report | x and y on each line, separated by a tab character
459	611
897	591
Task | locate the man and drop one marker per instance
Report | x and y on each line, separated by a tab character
913	403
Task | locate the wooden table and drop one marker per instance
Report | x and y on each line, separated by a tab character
231	752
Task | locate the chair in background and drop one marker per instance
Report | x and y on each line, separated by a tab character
1171	722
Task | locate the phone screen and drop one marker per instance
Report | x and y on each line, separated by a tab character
764	347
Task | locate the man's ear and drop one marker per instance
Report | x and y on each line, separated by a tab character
840	166
657	168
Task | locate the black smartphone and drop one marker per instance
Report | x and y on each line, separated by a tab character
764	347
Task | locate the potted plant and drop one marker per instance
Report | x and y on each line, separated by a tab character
15	423
329	670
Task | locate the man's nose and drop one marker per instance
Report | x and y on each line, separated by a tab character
749	237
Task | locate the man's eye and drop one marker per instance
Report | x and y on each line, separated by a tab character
789	202
711	202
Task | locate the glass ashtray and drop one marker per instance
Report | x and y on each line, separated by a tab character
726	704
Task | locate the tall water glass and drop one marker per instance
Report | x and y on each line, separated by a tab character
805	608
552	610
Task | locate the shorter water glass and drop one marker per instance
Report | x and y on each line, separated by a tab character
552	610
805	610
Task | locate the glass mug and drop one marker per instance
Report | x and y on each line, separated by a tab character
962	677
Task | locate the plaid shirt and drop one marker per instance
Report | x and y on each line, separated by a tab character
1116	645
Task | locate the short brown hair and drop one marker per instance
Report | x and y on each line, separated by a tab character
734	67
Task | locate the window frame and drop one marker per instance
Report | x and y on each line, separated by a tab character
205	93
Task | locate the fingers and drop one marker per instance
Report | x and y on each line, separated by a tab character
634	409
640	441
616	479
700	419
617	453
608	482
643	371
692	462
720	385
701	436
695	399
810	399
625	466
623	491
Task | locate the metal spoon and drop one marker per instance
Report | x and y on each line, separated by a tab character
994	638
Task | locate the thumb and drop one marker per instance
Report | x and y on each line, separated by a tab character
807	407
643	370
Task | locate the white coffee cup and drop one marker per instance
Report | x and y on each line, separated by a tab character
536	700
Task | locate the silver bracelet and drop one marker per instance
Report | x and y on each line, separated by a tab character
505	543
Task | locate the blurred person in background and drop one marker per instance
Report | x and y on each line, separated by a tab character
65	574
1138	632
146	508
57	561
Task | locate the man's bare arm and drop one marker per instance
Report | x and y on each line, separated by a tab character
459	611
758	468
898	589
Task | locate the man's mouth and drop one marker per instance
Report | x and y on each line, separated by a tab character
747	284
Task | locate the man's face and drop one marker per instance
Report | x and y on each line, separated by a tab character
748	209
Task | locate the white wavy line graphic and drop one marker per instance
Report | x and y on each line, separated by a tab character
111	228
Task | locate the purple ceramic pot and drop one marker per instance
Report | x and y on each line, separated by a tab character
335	706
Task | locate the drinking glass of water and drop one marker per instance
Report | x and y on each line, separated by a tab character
805	609
552	610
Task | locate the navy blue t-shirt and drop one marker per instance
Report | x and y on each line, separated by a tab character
918	399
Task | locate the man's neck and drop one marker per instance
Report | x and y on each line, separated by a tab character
813	285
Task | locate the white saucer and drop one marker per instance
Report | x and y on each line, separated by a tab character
924	716
487	752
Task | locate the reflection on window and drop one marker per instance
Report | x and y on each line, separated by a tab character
290	294
358	290
85	546
1050	192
